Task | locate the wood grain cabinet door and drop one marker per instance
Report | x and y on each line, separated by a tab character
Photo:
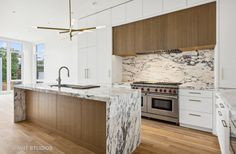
148	35
123	40
207	24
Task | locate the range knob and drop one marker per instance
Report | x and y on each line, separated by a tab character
142	89
170	91
148	89
160	90
164	90
156	90
174	91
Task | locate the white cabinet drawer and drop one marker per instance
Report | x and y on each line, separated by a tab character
195	93
203	120
198	104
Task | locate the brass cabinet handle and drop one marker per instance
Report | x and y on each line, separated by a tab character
224	123
220	114
195	115
193	100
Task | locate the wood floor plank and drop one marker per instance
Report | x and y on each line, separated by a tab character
157	137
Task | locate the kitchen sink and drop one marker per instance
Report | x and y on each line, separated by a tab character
76	86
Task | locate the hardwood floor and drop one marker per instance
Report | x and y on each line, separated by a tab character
157	137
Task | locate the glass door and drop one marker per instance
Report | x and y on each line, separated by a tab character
16	63
3	66
10	64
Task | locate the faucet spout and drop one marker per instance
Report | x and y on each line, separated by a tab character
59	75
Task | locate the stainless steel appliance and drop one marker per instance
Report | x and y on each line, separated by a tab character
159	100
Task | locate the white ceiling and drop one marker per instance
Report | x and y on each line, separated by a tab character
18	18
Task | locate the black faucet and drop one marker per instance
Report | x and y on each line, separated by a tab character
59	75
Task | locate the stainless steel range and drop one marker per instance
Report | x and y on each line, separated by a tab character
159	100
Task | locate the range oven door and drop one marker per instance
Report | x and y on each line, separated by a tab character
163	105
144	101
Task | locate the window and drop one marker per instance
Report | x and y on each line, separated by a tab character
40	61
16	61
3	66
10	64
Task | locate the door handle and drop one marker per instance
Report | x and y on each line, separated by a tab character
109	73
224	123
196	93
195	115
87	73
222	73
193	100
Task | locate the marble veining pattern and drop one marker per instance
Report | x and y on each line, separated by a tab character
124	123
192	68
19	105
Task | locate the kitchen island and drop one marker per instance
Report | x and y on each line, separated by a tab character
103	120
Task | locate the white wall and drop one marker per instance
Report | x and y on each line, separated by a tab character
27	63
60	52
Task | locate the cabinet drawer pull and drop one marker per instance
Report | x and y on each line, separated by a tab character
221	105
224	123
195	115
220	114
196	93
193	100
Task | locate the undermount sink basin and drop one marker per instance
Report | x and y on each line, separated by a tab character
76	86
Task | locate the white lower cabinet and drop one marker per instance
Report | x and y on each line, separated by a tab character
196	119
195	109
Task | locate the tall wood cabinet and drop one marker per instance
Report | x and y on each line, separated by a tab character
189	28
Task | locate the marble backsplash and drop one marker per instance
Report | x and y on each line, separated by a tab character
192	68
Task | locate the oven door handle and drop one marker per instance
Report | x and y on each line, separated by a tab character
162	96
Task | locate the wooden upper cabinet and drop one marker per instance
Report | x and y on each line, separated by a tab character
123	40
207	24
188	29
151	35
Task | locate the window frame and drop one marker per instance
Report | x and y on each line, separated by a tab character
35	57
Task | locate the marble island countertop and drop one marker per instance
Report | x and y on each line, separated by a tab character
103	93
122	111
229	97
